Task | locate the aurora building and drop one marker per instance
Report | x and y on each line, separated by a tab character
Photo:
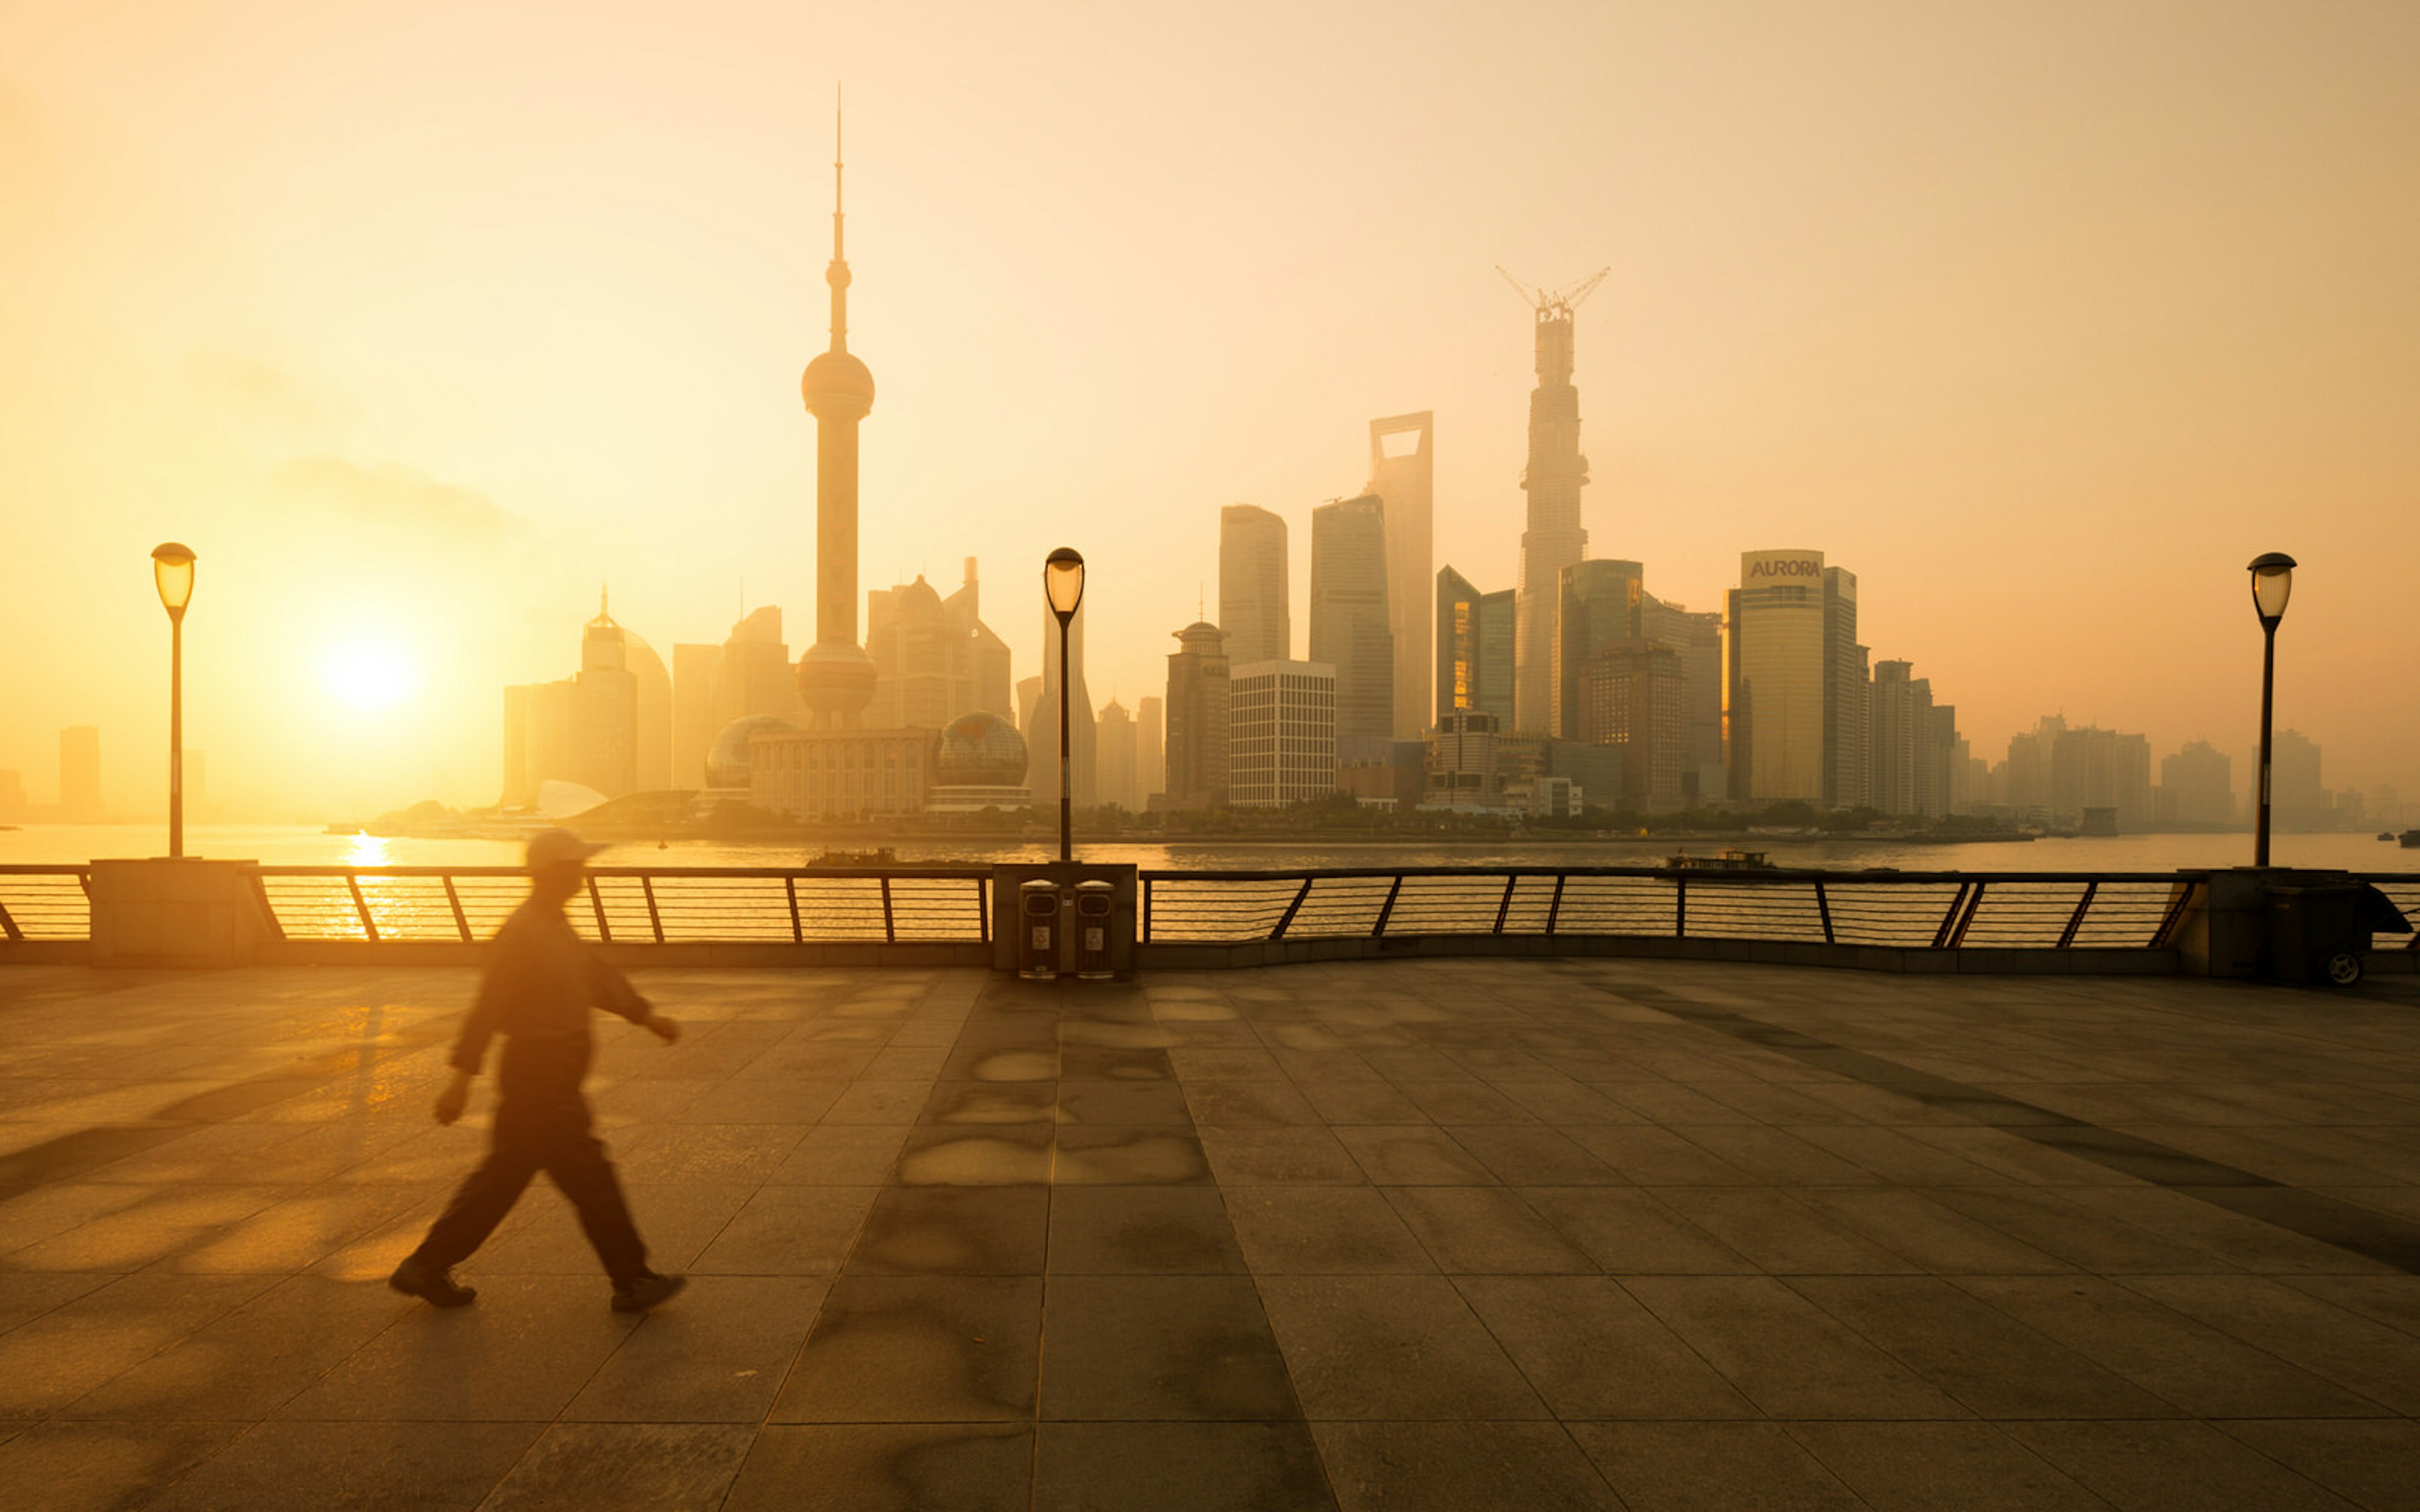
1794	686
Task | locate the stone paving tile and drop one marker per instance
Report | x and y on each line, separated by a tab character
1713	1467
953	1230
422	1467
1391	1348
102	1467
1324	1230
1158	1348
2153	1466
2368	1461
919	1350
1141	1231
1592	1353
1472	1466
1481	1230
518	1354
830	1467
626	1467
719	1356
1788	1356
1922	1467
1179	1467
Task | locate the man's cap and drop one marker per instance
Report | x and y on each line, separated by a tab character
552	847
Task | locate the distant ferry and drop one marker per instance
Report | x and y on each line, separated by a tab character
1725	861
885	857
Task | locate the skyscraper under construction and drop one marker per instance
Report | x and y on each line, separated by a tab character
1556	472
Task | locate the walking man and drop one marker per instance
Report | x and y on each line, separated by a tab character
541	981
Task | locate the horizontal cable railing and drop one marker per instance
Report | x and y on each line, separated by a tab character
45	903
637	905
2015	910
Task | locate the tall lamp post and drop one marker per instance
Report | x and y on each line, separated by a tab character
1062	584
2272	583
172	570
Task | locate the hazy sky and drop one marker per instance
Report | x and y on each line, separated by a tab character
420	321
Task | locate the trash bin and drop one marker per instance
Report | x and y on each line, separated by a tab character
1095	901
1037	935
2317	930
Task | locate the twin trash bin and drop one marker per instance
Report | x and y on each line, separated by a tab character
2318	928
1044	910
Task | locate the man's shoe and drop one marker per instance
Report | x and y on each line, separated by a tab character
639	1295
431	1284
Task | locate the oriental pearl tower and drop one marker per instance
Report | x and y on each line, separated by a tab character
835	676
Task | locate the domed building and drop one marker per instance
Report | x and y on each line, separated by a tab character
980	764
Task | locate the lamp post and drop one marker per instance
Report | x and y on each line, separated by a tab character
172	571
1062	585
2272	583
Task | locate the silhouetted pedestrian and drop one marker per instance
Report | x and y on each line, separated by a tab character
540	984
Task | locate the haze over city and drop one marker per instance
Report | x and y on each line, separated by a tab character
419	326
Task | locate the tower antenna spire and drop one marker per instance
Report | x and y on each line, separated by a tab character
837	274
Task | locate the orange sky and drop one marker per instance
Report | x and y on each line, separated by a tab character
419	321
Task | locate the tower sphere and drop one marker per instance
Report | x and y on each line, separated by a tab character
838	386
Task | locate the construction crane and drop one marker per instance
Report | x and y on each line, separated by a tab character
1545	300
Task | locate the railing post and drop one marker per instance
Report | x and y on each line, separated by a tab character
890	931
1974	904
1555	909
1146	909
1293	908
1949	920
1823	910
2067	935
1681	905
1504	909
983	908
9	926
267	912
655	920
596	902
797	931
462	923
1387	910
2185	891
361	906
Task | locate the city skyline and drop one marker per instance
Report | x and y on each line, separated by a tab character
224	362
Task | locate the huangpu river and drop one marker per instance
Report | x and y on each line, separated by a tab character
304	845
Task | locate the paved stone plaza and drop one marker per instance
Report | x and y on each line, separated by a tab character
1421	1235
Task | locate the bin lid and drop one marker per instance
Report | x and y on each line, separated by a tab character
1096	884
1038	885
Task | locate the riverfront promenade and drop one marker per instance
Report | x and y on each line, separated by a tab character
1449	1234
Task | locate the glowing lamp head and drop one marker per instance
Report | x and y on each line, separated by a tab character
1062	581
2272	583
172	569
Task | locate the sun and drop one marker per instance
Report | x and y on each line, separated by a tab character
369	674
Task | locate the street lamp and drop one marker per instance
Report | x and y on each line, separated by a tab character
1063	586
172	570
2272	583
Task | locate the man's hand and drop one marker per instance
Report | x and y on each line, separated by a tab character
457	1095
662	1027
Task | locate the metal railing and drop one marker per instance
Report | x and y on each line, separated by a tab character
2025	910
45	903
637	906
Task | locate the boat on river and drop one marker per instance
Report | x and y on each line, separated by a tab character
1721	861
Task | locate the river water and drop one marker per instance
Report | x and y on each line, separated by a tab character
302	845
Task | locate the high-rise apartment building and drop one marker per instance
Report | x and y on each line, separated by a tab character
541	736
1774	683
1256	603
1474	648
934	657
2096	768
1114	747
1554	539
754	674
1901	734
1697	639
1349	623
1151	766
1198	718
2196	785
1633	695
13	806
693	725
604	711
1281	733
2298	798
80	774
1403	473
1042	733
1601	604
1847	745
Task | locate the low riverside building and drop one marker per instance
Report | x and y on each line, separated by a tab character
840	773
